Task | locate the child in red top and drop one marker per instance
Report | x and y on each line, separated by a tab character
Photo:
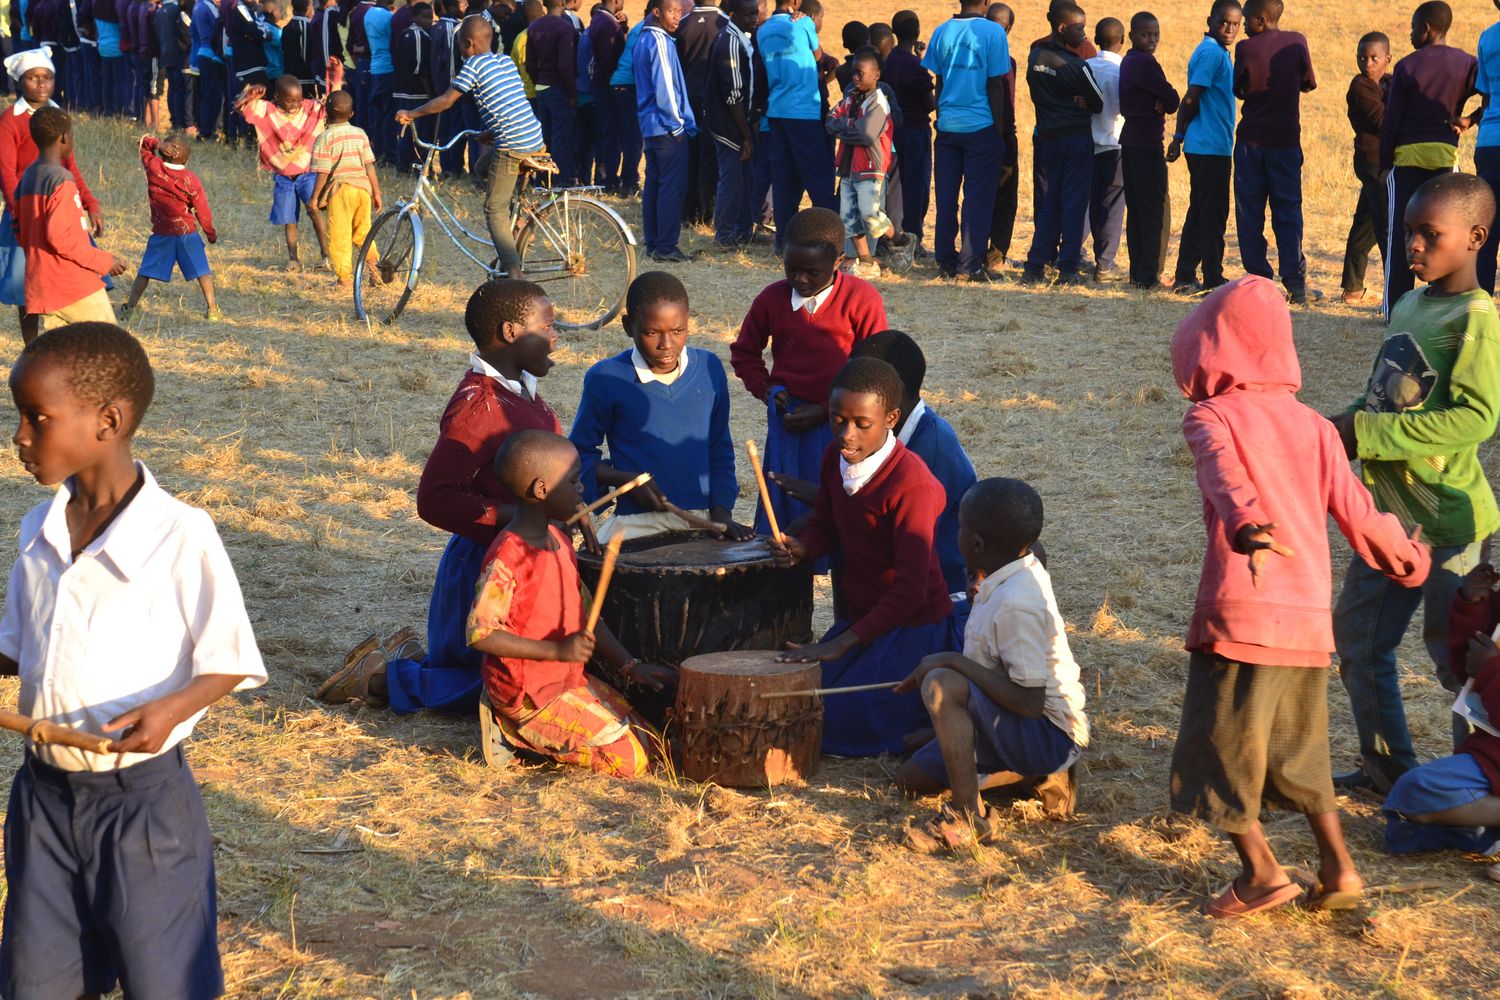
179	205
879	505
863	124
64	270
811	320
34	77
1254	726
512	324
528	621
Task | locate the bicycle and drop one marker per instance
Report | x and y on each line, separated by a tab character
572	244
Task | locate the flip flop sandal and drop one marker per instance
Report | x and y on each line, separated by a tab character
1335	901
1493	872
497	752
1229	904
947	833
402	644
351	682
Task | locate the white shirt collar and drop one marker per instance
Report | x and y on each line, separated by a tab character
816	302
22	108
994	581
644	373
857	475
913	419
526	387
127	541
173	166
1112	57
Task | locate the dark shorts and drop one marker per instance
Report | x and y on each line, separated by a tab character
110	881
288	195
1251	736
185	252
1005	741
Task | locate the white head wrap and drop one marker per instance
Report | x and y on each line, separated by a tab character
18	65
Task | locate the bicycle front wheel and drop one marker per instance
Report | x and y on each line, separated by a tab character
386	267
581	253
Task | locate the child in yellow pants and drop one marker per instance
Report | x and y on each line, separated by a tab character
342	157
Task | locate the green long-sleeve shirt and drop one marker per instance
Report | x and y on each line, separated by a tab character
1432	398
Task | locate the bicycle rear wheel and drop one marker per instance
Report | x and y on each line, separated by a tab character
581	253
383	285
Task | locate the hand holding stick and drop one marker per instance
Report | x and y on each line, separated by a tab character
701	523
44	731
618	491
590	537
765	493
611	553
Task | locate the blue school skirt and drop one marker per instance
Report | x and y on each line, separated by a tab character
12	264
1437	786
448	680
871	722
799	455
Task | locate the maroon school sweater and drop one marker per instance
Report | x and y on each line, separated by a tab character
892	576
459	491
806	351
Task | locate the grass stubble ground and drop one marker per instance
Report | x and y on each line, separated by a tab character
364	855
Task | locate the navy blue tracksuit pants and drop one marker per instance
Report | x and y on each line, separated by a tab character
665	192
1107	207
800	162
556	113
1400	184
914	166
1264	175
733	221
1065	178
971	161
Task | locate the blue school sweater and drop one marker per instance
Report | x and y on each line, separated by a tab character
935	443
679	433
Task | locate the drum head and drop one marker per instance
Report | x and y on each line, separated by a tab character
743	663
688	552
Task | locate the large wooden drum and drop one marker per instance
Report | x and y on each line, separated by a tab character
731	735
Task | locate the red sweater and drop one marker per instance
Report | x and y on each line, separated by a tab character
17	152
806	351
62	266
892	576
176	196
459	492
1463	621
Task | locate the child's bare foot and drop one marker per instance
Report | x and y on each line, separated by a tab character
294	265
345	282
213	315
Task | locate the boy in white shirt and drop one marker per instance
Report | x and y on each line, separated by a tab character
122	616
1107	196
1012	701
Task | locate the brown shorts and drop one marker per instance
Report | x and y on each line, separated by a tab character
1251	736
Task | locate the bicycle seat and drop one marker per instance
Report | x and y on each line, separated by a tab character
542	163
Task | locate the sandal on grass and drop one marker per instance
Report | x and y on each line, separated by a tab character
1493	872
948	832
1229	904
351	682
1333	900
402	644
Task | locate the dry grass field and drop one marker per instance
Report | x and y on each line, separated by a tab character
361	855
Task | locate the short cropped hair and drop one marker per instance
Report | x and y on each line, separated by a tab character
1375	38
906	25
1061	10
475	26
901	352
1469	195
523	457
1436	15
997	11
855	34
879	32
820	228
1006	513
341	105
499	301
812	8
652	287
1222	7
867	53
48	125
1139	18
1271	10
870	375
105	364
1108	31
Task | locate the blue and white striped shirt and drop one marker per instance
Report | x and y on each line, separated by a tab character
496	87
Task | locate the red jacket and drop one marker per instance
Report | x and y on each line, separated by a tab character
178	202
806	351
1463	621
862	124
17	152
1263	458
62	266
458	491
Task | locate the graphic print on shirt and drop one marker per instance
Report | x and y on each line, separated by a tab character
1403	379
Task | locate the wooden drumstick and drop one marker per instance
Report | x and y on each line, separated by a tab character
618	491
810	692
611	553
586	525
701	523
44	731
765	492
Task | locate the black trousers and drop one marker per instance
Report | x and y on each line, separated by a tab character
702	177
1367	228
1007	200
1202	242
1400	184
1148	213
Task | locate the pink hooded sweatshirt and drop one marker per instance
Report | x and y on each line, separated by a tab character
1265	458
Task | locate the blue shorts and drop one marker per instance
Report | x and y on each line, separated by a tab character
1437	786
186	252
111	881
1005	741
288	195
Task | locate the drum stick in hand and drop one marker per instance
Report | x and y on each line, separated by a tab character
810	692
693	520
618	491
765	493
606	571
44	731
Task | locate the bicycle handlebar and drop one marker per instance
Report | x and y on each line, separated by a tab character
461	137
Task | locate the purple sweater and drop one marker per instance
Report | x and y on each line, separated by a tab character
1143	86
551	53
1428	88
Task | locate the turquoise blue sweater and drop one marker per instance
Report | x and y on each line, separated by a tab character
679	433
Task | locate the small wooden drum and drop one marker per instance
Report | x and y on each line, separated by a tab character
732	737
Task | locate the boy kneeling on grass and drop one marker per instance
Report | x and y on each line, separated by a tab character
528	619
1011	701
